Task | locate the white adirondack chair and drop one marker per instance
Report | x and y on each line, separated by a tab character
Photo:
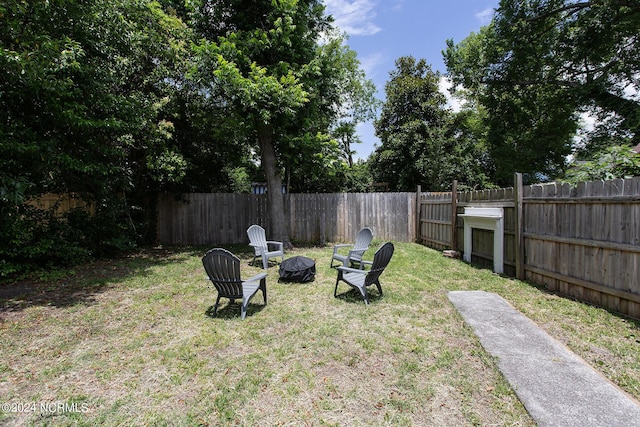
264	248
363	240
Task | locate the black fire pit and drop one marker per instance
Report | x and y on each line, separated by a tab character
298	269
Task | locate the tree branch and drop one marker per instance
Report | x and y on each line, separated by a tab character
570	7
576	7
562	83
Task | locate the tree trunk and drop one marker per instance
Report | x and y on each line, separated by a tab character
274	184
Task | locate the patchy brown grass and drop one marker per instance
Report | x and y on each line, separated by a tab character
129	342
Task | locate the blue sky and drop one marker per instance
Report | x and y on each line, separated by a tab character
381	31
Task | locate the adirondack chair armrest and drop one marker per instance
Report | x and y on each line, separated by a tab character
357	252
255	278
257	246
350	270
341	245
355	255
279	245
364	263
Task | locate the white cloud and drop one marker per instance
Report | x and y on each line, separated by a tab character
398	6
353	17
452	102
485	16
371	62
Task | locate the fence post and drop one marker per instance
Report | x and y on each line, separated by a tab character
519	240
454	215
418	217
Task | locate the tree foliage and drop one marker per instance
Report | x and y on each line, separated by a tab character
611	163
423	142
83	87
116	100
541	63
265	62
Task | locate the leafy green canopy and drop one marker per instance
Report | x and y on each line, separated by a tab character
82	90
423	143
265	62
611	163
282	64
539	64
119	99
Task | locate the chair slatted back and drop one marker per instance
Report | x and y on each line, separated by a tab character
380	261
257	236
223	269
363	239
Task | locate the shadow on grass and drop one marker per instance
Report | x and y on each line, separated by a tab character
232	310
542	288
81	283
353	296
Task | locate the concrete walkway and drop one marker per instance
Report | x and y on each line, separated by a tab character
557	387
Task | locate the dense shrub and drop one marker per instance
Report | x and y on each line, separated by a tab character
38	239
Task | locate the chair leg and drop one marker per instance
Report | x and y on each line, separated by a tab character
265	262
263	287
215	307
379	287
243	310
335	291
365	297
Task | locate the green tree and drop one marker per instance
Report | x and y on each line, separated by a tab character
313	154
82	88
613	162
357	102
265	62
420	143
212	142
346	135
253	58
471	164
541	63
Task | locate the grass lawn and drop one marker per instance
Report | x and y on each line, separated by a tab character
129	342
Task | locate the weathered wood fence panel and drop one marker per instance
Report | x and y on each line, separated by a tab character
585	241
203	219
435	220
60	203
581	241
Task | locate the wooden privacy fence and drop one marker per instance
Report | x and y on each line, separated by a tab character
581	241
206	219
60	203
